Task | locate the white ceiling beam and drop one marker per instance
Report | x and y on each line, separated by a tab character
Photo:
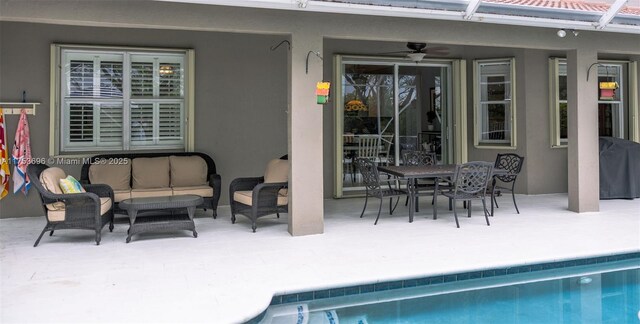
611	13
472	7
358	9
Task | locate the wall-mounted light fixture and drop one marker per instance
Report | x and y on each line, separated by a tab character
303	3
563	33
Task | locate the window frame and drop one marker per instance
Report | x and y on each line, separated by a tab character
630	102
511	142
57	139
554	103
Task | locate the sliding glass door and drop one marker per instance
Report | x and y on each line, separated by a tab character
385	107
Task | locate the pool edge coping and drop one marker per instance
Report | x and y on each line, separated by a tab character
487	272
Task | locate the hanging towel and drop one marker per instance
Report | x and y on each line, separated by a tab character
21	155
4	158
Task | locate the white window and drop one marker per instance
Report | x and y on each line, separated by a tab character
494	103
120	99
558	112
614	110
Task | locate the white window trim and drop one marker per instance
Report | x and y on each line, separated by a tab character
554	103
511	144
55	100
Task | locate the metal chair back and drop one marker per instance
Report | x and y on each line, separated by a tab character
510	162
370	175
419	158
472	178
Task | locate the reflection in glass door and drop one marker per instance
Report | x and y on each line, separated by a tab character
368	97
388	107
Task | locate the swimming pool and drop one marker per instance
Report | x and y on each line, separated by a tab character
596	293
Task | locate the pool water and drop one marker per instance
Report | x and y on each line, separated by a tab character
594	296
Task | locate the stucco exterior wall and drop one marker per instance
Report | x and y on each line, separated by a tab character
238	78
240	93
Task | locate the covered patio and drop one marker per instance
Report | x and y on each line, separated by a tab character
253	101
262	100
229	275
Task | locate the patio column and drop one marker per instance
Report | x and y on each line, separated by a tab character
306	210
582	124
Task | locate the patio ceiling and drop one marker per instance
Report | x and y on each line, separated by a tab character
621	16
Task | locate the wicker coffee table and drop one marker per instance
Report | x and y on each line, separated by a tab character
164	216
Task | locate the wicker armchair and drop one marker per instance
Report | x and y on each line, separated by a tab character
91	210
256	197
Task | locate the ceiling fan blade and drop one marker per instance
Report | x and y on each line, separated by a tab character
396	52
437	48
437	53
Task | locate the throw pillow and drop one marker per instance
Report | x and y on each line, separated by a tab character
70	185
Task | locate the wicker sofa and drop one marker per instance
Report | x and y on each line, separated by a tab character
137	175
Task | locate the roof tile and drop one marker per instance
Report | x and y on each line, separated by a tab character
567	4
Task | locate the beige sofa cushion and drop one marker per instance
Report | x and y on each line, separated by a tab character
117	176
150	173
50	178
59	215
120	195
245	197
151	192
202	191
188	171
277	171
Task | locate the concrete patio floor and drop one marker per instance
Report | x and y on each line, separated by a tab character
229	274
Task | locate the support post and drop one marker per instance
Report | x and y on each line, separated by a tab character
306	210
582	123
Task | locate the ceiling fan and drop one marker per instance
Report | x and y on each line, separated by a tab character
417	51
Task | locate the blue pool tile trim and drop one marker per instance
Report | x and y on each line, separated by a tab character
434	280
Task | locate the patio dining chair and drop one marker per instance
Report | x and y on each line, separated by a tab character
513	164
385	144
374	186
470	182
418	158
90	210
368	148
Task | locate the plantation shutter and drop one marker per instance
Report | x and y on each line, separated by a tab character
111	79
170	80
114	99
80	78
141	79
80	122
111	124
170	122
142	123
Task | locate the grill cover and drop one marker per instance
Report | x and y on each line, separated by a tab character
619	168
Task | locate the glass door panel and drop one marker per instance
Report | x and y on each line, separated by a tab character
367	95
385	108
409	81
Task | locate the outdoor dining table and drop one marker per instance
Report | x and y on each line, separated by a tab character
412	172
